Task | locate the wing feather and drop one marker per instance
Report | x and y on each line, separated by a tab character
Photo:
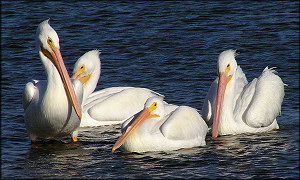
209	102
103	94
265	105
29	93
121	105
183	124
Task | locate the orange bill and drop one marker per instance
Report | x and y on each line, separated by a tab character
59	63
223	79
144	115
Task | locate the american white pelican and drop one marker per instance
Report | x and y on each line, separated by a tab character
87	70
162	127
108	106
233	106
48	105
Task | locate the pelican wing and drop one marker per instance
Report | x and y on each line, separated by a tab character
260	101
241	82
104	93
120	105
209	102
28	94
184	123
31	91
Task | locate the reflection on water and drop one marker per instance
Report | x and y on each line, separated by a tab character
255	154
240	156
53	158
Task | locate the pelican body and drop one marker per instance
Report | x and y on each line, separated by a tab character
234	106
162	127
52	106
111	105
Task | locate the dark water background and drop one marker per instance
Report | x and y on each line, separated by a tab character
170	47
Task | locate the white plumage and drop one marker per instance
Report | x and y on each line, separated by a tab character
242	107
48	104
111	105
162	127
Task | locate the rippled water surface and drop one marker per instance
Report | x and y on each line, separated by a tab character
170	47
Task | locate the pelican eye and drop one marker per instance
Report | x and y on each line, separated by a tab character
50	42
227	68
81	69
153	106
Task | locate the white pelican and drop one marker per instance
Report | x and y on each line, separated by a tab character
235	106
162	127
108	106
48	104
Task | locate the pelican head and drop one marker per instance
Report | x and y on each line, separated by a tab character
227	66
227	63
87	70
49	50
155	106
46	36
153	110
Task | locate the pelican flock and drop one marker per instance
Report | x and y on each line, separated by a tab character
234	106
58	106
162	127
52	106
111	105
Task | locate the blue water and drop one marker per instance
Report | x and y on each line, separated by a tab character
170	47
